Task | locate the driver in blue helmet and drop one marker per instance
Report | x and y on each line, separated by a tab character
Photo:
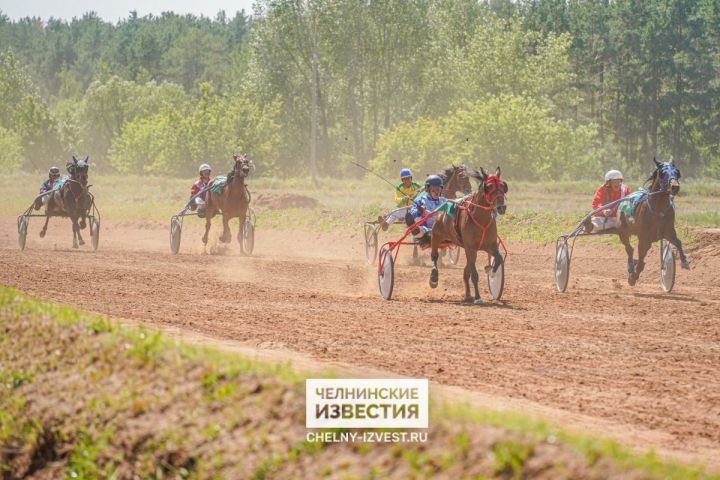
405	192
428	201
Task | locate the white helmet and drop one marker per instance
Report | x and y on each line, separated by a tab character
613	175
204	167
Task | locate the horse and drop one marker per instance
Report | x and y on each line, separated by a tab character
654	218
473	229
455	180
233	201
72	199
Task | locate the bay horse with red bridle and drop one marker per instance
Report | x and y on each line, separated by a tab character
233	201
72	199
473	228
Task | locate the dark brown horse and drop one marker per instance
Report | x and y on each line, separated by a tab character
72	199
234	200
654	218
473	229
455	180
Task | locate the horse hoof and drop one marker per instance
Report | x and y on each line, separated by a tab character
42	233
468	300
478	301
433	283
82	242
632	279
75	245
685	265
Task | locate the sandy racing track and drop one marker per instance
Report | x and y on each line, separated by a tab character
631	363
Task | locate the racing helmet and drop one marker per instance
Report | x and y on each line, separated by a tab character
54	172
204	167
613	175
405	173
433	181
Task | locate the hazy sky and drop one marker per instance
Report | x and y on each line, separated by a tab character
112	10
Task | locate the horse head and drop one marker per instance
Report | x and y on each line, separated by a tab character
243	165
493	188
455	178
667	176
465	185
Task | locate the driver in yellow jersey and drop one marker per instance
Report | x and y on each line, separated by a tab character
404	195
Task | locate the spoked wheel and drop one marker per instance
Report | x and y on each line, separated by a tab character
175	234
496	279
386	274
22	232
371	243
562	266
667	266
454	255
248	238
94	233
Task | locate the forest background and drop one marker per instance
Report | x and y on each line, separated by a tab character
545	88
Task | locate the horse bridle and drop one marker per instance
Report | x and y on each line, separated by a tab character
665	187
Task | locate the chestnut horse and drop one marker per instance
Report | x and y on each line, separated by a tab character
233	202
473	229
72	199
654	218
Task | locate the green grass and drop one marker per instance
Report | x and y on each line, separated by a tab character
536	211
157	373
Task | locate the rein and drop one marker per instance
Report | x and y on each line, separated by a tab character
466	205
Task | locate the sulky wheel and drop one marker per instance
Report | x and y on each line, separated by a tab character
496	279
248	237
562	266
175	234
371	243
667	266
22	231
94	233
386	273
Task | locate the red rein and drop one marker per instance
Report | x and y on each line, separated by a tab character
494	184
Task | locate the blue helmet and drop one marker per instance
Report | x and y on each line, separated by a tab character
405	172
433	181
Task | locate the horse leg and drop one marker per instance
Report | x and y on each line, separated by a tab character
434	254
678	244
226	235
44	229
475	278
466	279
643	247
472	273
625	239
208	216
80	239
75	230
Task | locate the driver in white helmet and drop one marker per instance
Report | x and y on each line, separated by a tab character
198	186
613	189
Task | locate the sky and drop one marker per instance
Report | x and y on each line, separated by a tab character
113	10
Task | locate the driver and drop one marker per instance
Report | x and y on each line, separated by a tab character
613	189
201	200
428	201
404	194
47	186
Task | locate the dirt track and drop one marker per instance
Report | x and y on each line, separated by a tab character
643	361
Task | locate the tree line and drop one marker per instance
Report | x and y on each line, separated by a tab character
545	88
